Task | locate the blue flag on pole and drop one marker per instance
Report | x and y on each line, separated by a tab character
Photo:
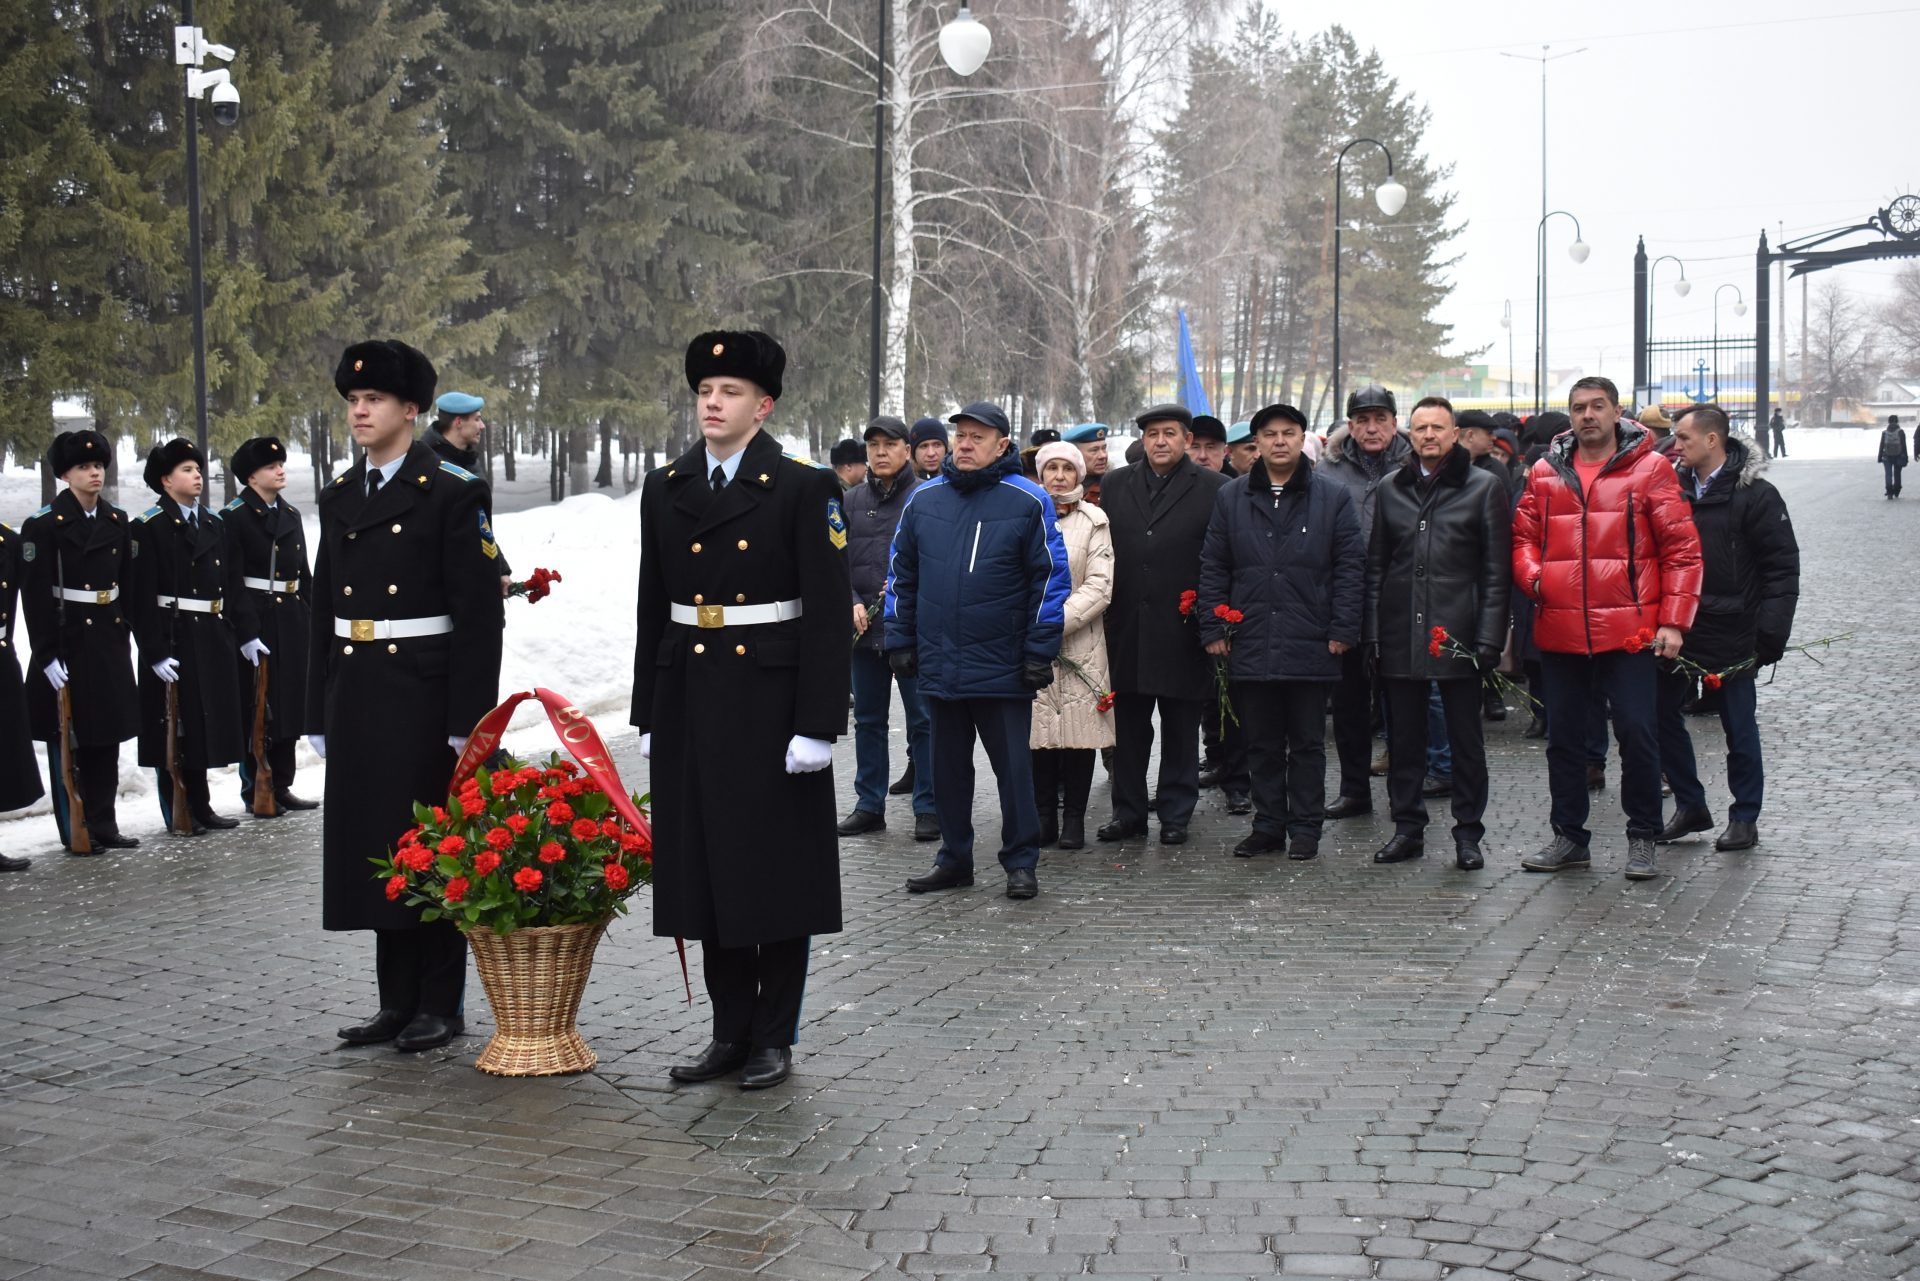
1193	393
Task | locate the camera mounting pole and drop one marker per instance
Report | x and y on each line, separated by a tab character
191	49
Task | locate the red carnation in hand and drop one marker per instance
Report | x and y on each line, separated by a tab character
528	879
552	852
617	877
1234	616
457	889
1640	640
584	829
1711	680
486	863
396	886
536	588
1106	702
1433	647
1188	599
1440	633
559	812
1221	611
452	845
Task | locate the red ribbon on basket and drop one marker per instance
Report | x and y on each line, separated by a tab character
584	744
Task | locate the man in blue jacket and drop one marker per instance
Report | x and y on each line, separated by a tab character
977	585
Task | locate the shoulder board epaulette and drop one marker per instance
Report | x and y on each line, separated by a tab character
454	469
43	511
235	505
148	514
804	462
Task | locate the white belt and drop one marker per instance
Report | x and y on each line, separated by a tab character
192	604
79	597
733	615
367	629
272	585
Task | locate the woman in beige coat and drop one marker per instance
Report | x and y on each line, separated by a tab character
1071	717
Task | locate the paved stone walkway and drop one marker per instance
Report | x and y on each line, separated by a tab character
1172	1063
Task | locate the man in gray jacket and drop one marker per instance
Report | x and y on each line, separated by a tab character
1360	457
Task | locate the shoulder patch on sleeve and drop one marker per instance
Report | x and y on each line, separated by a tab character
836	524
488	546
454	469
30	550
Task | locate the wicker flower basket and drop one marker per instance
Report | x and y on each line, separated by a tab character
535	978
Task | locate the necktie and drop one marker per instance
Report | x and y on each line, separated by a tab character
719	478
373	482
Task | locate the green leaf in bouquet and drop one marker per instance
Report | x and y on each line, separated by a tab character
422	814
447	865
432	914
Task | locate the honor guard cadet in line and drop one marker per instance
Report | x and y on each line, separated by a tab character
76	553
19	772
267	609
455	436
189	691
740	681
406	564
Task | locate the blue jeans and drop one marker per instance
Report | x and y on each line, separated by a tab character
1574	683
1746	777
1893	471
872	700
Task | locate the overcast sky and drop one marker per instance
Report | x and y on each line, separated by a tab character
1694	124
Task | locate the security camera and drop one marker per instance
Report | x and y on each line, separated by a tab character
226	104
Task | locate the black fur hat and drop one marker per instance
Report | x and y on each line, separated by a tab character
723	353
387	365
163	458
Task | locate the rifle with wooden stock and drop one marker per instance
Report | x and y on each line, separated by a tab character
79	840
264	805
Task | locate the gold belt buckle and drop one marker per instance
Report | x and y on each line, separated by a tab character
362	629
216	608
711	615
103	598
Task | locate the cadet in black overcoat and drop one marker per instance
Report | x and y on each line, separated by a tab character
19	770
80	542
267	595
406	636
176	600
740	682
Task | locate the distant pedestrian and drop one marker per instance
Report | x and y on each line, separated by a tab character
1072	719
1605	545
1284	549
976	597
928	440
1750	586
849	458
1159	508
1893	453
873	512
1439	558
1778	426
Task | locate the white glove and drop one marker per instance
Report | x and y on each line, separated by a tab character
57	675
318	742
253	649
646	746
457	742
805	755
167	669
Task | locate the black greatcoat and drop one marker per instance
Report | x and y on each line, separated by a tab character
1151	649
419	548
19	769
174	558
1441	555
279	619
95	556
744	852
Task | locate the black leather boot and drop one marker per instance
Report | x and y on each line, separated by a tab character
1073	830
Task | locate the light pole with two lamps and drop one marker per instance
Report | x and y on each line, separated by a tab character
1739	309
964	46
1577	251
191	50
1391	197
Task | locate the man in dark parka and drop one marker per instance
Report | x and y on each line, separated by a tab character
176	602
740	680
76	559
267	608
1158	512
405	660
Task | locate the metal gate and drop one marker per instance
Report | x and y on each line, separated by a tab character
1692	371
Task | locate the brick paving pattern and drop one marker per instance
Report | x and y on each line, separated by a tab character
1172	1063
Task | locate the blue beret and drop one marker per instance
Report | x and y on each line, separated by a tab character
456	403
1239	432
1085	433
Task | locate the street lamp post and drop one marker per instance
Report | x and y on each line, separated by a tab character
1739	309
1391	197
1682	287
1539	283
191	50
1506	323
1577	251
964	45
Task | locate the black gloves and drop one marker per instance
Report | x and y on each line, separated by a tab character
1036	675
904	662
1486	659
1769	649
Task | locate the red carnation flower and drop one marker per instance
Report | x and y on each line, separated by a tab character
452	845
504	782
632	842
396	886
609	828
410	837
552	852
584	829
1106	702
1188	599
516	822
569	768
528	879
1439	633
485	863
417	858
1234	616
559	812
457	889
1711	680
1221	611
499	838
439	815
1433	647
617	877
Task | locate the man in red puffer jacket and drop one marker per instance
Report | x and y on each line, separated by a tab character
1604	543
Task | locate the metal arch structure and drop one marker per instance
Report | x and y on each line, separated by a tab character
1892	232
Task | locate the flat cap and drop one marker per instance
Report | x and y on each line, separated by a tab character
1207	427
986	413
1164	414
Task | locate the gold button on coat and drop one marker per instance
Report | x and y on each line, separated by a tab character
346	649
740	599
742	544
698	599
393	649
347	590
696	549
739	649
699	649
393	589
396	529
